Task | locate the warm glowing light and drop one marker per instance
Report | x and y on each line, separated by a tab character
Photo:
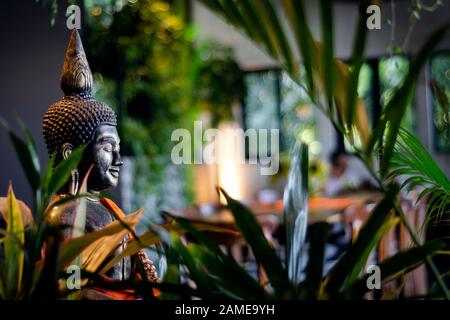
315	147
96	11
229	163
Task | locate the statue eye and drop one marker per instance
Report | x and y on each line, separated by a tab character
108	147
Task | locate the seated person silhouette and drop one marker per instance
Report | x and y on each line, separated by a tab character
347	174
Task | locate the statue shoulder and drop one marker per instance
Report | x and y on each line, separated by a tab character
62	213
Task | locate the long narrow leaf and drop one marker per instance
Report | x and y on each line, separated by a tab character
150	238
172	274
71	248
27	156
295	214
314	269
234	277
357	61
14	253
396	107
187	255
254	23
326	7
264	253
397	265
62	171
295	11
341	270
412	161
361	262
277	35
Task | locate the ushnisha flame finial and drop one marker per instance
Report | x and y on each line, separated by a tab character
75	118
76	76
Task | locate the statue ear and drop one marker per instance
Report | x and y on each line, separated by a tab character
66	150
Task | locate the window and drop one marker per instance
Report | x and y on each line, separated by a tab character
440	89
378	81
261	110
298	118
274	100
392	72
367	89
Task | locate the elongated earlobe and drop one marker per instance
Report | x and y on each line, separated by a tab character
66	151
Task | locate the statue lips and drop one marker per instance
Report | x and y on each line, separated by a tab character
114	172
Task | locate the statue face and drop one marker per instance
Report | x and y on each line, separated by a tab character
105	153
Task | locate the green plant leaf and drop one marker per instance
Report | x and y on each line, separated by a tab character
361	262
243	16
187	254
73	247
326	7
360	128
387	127
410	159
13	248
46	285
314	269
61	173
344	266
31	145
224	268
395	266
232	13
357	61
264	253
255	25
223	275
151	237
277	36
295	12
172	274
27	154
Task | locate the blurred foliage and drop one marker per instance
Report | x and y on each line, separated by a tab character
332	86
440	88
142	51
393	71
416	9
147	65
220	83
366	87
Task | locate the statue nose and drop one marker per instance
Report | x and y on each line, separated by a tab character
118	160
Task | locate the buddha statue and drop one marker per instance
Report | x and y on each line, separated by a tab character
79	120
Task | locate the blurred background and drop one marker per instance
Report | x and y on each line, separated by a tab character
163	64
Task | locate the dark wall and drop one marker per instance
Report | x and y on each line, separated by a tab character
31	58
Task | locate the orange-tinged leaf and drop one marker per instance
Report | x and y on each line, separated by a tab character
13	247
73	247
150	238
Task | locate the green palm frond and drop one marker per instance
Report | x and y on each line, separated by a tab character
414	165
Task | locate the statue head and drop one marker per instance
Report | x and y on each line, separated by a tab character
79	120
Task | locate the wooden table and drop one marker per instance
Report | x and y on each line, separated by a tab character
320	209
270	217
